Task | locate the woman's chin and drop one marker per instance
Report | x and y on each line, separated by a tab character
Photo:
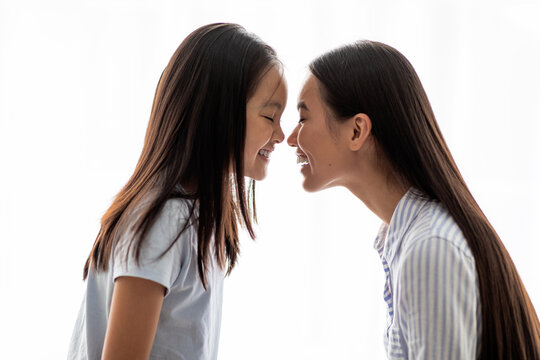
310	186
312	183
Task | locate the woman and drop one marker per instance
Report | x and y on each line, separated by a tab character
451	288
154	276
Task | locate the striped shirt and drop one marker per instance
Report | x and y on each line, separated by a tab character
431	285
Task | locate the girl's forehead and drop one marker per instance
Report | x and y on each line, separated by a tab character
271	90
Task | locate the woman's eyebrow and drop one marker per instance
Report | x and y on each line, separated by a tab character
302	105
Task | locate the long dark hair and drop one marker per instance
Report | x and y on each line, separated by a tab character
195	136
375	79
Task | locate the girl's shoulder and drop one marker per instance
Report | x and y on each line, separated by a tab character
166	249
180	208
174	220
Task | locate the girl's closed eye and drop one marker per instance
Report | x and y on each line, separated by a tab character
302	120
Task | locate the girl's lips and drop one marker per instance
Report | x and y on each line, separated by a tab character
265	153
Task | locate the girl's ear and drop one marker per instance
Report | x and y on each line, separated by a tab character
359	131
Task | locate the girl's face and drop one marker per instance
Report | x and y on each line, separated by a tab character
263	123
321	152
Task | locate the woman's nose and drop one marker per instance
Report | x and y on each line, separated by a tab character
291	140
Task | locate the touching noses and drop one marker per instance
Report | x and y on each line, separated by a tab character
292	139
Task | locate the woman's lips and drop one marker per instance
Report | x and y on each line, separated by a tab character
302	159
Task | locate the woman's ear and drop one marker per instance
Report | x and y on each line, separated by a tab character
360	124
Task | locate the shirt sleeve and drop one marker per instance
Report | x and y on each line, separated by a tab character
437	295
152	266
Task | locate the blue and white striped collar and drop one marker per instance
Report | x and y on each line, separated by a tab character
388	240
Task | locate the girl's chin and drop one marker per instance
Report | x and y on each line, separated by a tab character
256	175
257	170
258	178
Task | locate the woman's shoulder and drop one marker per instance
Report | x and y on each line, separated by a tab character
435	224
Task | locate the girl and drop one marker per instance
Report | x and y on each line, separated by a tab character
154	276
451	288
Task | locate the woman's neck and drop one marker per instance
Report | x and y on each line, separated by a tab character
379	190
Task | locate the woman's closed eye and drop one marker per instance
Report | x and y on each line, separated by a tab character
269	118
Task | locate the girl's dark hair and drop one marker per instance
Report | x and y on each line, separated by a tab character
375	79
195	136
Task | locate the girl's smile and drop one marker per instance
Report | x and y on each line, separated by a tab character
263	129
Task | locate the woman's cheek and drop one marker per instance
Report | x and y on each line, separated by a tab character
302	138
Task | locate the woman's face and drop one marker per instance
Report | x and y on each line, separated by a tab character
321	153
263	123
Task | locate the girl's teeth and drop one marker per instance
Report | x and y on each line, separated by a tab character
264	153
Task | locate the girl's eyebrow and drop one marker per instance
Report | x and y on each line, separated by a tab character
276	104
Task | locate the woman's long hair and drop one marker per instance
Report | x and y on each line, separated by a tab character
375	79
195	136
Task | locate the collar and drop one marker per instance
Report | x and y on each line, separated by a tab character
389	238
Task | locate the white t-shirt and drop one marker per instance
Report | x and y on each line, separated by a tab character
190	317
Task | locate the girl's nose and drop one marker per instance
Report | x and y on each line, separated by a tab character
279	136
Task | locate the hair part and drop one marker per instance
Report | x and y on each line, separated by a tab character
196	135
375	79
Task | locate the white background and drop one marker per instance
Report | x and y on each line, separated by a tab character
77	79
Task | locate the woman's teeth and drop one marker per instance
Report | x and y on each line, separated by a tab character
302	160
264	153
